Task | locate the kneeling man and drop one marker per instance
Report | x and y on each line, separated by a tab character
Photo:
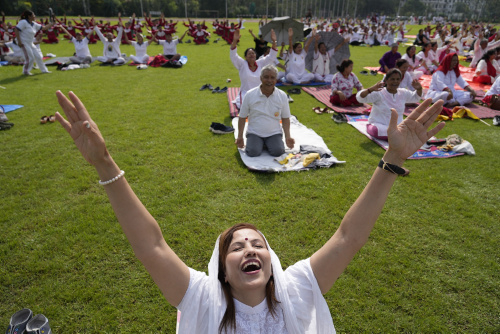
265	106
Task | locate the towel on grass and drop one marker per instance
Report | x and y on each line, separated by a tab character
303	137
322	94
360	122
10	107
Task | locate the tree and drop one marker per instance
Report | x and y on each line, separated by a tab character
415	7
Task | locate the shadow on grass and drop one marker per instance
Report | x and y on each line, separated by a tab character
262	177
372	148
13	80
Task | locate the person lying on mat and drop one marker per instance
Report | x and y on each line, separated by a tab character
244	273
343	83
249	68
265	106
296	66
443	82
386	95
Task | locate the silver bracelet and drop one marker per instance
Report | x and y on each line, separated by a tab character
103	183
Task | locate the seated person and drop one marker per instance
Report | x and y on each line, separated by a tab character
321	60
486	73
493	91
111	47
265	106
141	48
82	53
170	46
389	58
296	65
443	82
342	84
16	57
385	95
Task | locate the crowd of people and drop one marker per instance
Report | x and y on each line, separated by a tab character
440	48
245	276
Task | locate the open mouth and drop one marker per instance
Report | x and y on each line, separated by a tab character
251	266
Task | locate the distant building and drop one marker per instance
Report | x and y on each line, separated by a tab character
455	9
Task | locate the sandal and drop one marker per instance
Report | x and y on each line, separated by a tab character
317	110
52	118
44	120
294	91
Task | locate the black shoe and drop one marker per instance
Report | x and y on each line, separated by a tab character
210	87
373	72
205	86
339	118
223	90
216	90
19	321
496	120
294	91
221	129
364	72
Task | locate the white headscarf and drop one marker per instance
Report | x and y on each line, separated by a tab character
298	314
219	305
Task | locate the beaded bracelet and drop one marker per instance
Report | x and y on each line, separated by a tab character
103	183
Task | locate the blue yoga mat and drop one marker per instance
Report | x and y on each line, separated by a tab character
10	107
312	83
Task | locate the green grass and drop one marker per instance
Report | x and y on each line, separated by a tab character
430	265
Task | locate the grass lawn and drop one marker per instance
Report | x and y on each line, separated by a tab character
430	265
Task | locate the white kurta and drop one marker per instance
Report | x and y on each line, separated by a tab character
296	68
383	101
321	66
441	81
249	79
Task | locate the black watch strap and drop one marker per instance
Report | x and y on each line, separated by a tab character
391	168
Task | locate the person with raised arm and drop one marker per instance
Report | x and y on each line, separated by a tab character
245	276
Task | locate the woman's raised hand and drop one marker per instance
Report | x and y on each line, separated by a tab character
273	35
82	128
408	136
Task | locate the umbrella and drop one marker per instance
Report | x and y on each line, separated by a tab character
280	26
331	40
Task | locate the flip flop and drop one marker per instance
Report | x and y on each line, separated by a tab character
364	72
52	118
44	120
326	110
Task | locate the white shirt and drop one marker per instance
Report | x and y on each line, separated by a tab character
27	31
111	49
81	47
383	101
321	62
440	81
413	63
264	113
495	89
140	49
309	307
479	52
18	52
169	49
250	79
297	63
